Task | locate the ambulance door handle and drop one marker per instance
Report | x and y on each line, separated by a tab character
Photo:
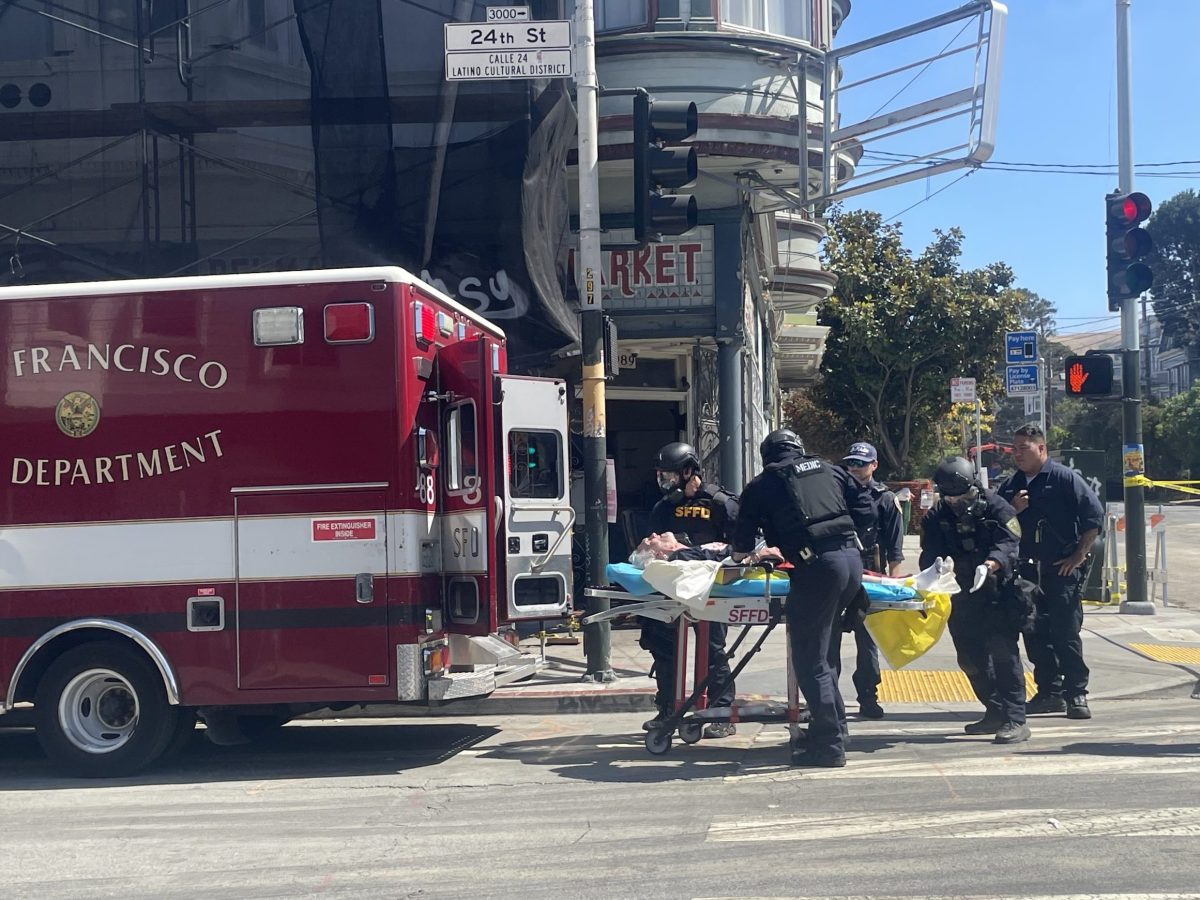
364	587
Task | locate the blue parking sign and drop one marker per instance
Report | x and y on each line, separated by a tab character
1020	381
1020	347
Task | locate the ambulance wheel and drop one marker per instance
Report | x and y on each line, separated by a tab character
185	730
101	712
658	741
690	732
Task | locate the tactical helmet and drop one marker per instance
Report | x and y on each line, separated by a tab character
779	442
676	457
954	477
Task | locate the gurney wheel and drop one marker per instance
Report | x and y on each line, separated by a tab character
690	732
658	741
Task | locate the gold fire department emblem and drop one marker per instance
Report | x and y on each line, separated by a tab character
77	414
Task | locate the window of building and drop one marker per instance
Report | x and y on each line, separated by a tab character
788	18
462	447
534	470
616	15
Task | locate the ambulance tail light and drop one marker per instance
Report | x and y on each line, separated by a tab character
349	323
437	659
425	322
278	326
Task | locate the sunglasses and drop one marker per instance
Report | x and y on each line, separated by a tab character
856	464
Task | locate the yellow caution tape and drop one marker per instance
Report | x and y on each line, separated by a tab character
1142	481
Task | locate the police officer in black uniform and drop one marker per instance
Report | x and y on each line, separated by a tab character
1060	518
883	546
807	508
980	533
697	513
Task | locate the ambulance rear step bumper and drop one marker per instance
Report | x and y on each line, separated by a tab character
493	663
482	680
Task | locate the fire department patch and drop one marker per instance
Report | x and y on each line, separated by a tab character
77	414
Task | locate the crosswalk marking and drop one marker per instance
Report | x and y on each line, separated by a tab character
985	823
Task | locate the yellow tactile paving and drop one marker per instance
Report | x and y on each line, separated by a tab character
1168	654
926	686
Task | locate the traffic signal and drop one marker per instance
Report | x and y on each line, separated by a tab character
655	166
1089	376
1127	241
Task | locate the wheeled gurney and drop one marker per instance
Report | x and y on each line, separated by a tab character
734	595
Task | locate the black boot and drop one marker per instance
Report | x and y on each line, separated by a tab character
657	721
1077	708
869	708
1045	703
989	724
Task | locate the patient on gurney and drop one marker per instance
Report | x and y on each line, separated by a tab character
667	546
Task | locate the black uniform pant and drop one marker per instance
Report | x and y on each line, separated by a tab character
659	639
820	592
866	666
989	656
1054	646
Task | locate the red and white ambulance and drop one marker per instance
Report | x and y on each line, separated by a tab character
249	496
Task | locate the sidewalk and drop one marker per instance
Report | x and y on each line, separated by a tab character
1129	656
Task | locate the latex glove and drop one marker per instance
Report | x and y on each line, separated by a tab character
981	574
945	565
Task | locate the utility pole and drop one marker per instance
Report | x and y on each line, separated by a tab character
1134	600
596	637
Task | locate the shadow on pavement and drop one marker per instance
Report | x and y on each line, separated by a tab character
311	751
623	758
1124	749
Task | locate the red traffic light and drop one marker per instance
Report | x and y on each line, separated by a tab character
1129	209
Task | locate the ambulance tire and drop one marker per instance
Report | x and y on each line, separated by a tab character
185	731
101	711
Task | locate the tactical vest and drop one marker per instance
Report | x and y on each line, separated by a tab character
702	519
967	534
816	509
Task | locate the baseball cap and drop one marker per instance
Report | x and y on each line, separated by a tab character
862	452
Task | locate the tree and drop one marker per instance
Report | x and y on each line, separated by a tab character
1035	312
1173	445
824	432
1175	229
900	328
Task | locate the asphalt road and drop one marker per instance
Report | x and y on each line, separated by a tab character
535	807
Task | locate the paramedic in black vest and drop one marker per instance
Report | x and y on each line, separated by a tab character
807	508
883	552
696	513
1060	517
979	531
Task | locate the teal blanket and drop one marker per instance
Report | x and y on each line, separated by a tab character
630	578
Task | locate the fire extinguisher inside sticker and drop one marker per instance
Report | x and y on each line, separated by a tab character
344	529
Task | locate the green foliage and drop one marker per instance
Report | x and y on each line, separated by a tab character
1173	437
900	328
824	432
1175	229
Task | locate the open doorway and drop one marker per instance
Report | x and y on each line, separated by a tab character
636	431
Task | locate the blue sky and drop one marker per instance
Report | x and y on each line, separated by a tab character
1057	105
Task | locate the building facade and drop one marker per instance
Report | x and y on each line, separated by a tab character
176	137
